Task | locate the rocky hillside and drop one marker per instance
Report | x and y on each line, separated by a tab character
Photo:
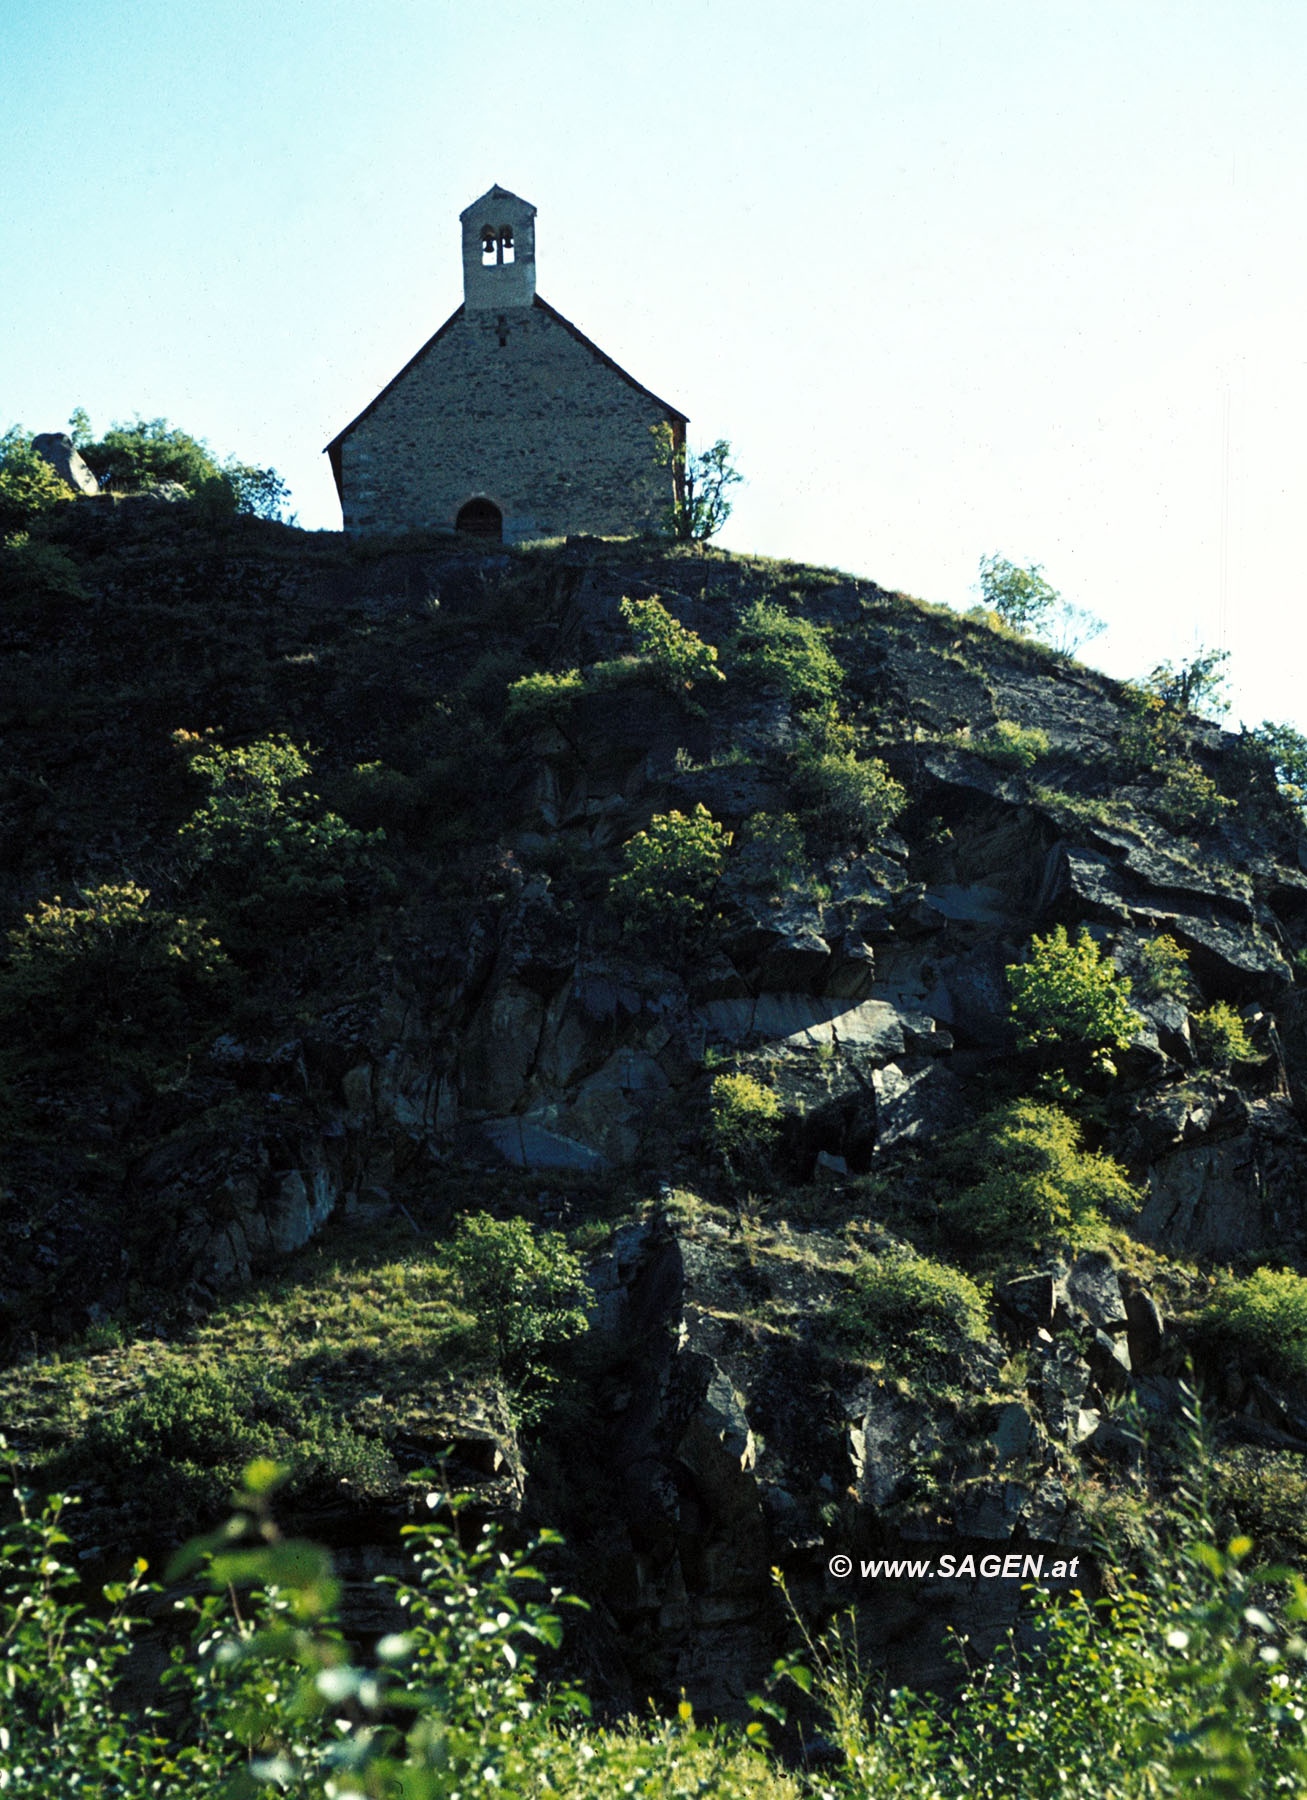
894	1022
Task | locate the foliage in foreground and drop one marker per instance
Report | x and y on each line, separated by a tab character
1179	1683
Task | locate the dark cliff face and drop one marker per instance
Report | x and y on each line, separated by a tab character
390	1030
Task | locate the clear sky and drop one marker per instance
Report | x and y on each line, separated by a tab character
954	276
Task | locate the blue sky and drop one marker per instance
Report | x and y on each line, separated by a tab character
1020	276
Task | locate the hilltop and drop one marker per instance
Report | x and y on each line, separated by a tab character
661	907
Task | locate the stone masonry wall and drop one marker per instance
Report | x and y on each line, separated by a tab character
540	425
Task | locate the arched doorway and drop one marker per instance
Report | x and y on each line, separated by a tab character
481	518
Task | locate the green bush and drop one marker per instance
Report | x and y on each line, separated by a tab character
377	797
1189	800
744	1124
1184	1680
151	451
107	976
1220	1037
526	1289
1163	968
1198	684
680	657
28	485
843	799
911	1309
779	649
33	573
543	699
1011	745
670	874
1021	1178
259	839
190	1431
1262	1318
1266	1492
1285	749
1068	997
1022	598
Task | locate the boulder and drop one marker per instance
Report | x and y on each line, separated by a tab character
1237	1196
873	1027
883	1446
57	449
1093	1291
1146	1331
916	1100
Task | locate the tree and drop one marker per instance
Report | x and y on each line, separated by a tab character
1286	750
1022	598
700	478
1199	682
130	457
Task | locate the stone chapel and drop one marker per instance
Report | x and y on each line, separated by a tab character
508	423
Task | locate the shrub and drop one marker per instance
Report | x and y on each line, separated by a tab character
1163	968
1266	1491
259	838
1285	749
700	479
910	1308
776	648
1220	1037
190	1432
1262	1317
744	1124
148	451
1147	732
1011	745
525	1288
1199	683
670	874
151	451
28	485
1022	598
376	796
33	573
1069	995
108	972
1189	800
845	800
542	699
680	657
1026	1179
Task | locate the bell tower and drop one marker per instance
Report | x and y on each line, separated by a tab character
499	252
